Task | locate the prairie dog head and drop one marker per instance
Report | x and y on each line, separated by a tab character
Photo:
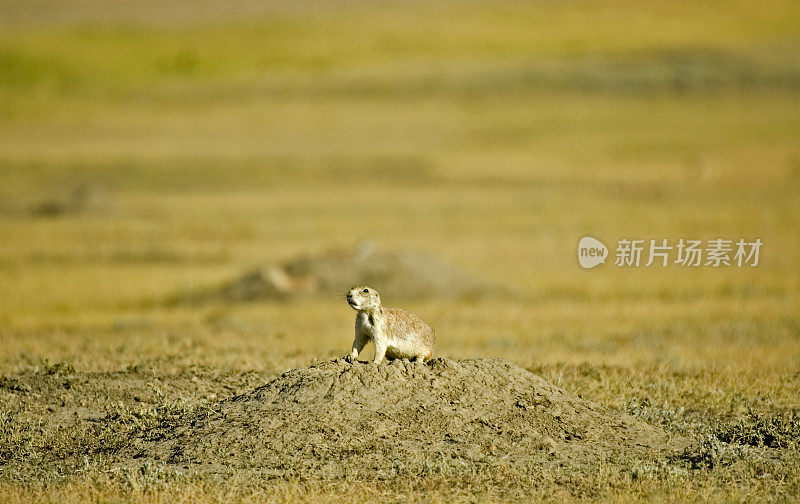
364	298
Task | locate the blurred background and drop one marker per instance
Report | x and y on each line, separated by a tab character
177	178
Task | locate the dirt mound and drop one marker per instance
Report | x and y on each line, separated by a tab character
397	275
341	420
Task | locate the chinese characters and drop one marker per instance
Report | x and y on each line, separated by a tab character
687	253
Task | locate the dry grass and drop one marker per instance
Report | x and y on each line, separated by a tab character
491	135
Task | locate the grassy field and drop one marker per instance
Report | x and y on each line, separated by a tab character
148	150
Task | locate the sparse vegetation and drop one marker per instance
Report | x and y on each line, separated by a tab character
149	151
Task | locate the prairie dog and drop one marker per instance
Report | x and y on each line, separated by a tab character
396	333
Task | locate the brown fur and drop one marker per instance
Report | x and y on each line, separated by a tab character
396	333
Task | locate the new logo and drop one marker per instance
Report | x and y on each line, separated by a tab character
591	252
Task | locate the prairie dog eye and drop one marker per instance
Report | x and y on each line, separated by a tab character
366	291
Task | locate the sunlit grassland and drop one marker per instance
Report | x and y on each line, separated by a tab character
211	147
493	135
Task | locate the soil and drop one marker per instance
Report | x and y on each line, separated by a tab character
333	420
365	421
398	275
474	424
